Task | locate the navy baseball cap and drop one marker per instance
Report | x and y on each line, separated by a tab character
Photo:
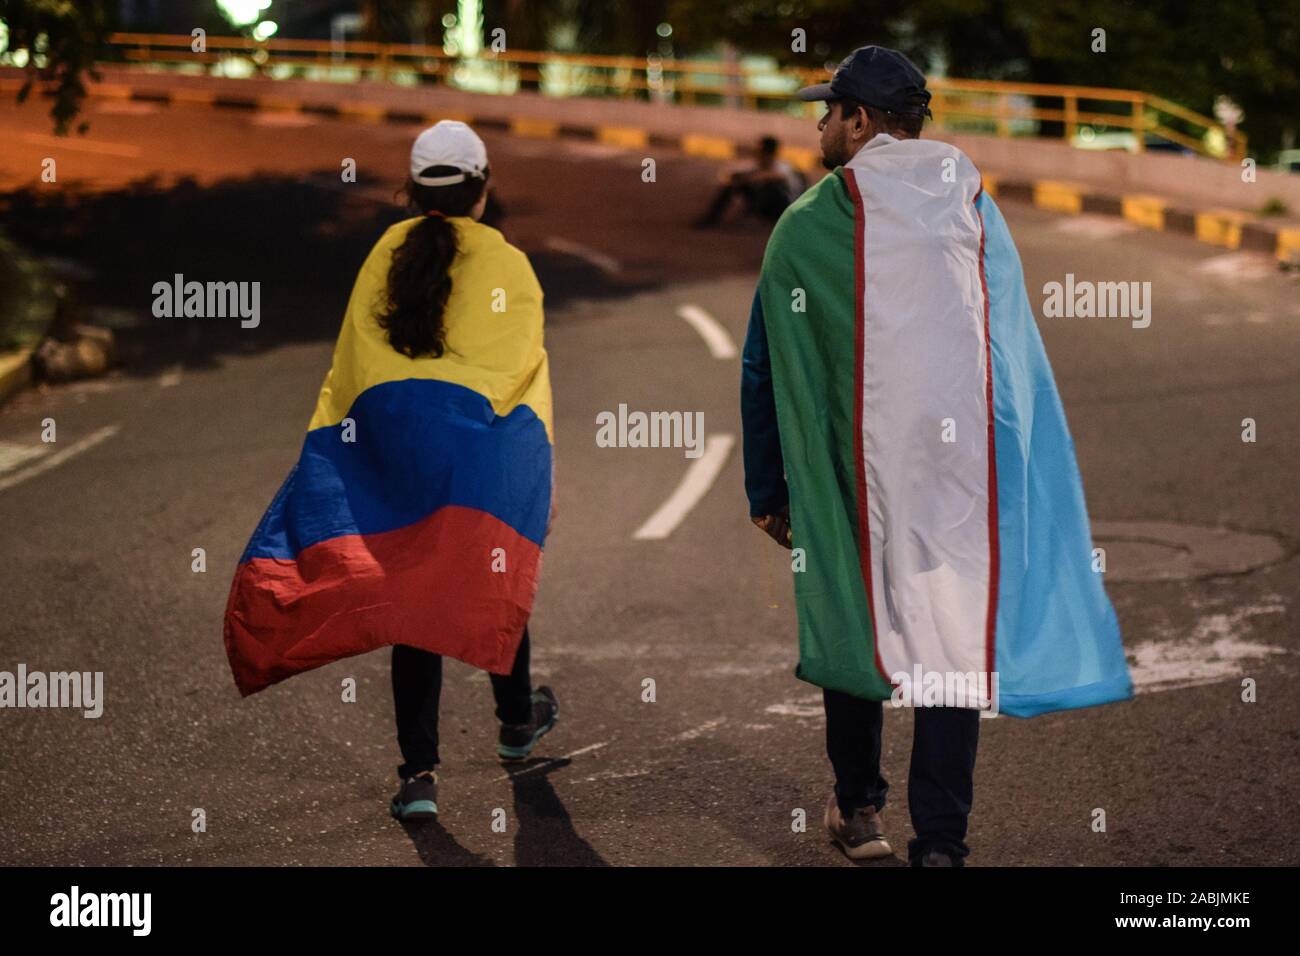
876	76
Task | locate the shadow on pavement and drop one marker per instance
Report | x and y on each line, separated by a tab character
301	241
545	835
437	847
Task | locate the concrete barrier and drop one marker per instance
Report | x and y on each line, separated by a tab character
1199	197
1192	179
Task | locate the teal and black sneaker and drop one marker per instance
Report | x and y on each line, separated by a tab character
516	741
418	798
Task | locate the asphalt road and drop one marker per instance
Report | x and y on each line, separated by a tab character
184	446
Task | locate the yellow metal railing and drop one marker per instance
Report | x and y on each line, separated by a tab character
1084	116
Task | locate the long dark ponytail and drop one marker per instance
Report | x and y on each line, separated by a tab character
419	280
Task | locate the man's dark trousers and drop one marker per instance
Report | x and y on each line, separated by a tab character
940	784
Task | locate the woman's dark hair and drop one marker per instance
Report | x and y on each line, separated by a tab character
419	280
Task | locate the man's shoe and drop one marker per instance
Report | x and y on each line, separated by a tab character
516	741
861	836
934	858
417	799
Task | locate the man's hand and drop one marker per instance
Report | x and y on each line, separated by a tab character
777	527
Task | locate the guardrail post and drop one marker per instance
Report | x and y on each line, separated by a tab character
1071	117
1140	125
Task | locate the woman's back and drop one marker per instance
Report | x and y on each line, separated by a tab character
492	328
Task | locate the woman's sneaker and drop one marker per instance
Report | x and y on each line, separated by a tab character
417	799
516	741
861	836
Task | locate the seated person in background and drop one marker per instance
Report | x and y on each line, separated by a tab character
766	188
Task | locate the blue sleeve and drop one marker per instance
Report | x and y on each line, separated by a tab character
764	468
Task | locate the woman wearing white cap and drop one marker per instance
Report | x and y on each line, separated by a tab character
418	509
450	297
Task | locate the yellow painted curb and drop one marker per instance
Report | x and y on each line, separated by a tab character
15	372
186	94
710	147
365	111
1288	243
540	128
1058	197
805	160
629	137
1145	211
1220	227
282	103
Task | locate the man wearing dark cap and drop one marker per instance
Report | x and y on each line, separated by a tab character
904	436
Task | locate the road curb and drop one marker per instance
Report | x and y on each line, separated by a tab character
15	373
1226	228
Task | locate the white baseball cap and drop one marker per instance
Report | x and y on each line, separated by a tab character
448	143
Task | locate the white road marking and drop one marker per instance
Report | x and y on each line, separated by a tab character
697	732
171	377
734	669
12	454
791	709
715	336
1214	651
606	264
614	775
1165	665
695	484
550	763
59	457
81	145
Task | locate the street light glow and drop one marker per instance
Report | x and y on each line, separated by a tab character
243	12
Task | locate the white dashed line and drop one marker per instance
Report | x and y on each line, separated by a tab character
695	484
715	336
59	457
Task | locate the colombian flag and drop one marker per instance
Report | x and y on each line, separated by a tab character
418	507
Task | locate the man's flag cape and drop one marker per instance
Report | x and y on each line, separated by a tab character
932	479
418	507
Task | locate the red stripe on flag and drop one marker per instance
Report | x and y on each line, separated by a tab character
991	622
859	452
430	585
